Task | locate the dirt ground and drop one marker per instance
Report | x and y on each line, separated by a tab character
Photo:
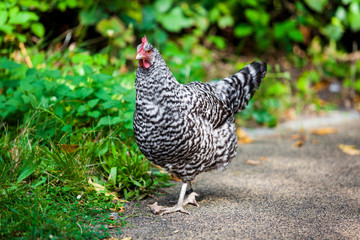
310	191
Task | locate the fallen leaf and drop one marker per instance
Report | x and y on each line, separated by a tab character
349	149
176	231
155	208
114	216
252	162
263	158
298	136
243	138
111	226
289	114
314	141
324	131
298	143
101	188
322	85
118	209
69	148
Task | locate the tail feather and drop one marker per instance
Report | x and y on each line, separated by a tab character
238	89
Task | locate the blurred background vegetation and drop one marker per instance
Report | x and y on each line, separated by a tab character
67	72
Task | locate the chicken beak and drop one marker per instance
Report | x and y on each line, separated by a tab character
140	56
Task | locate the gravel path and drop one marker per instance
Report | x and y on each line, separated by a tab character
307	192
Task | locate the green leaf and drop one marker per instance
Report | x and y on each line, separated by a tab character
44	102
110	104
103	94
357	85
263	116
52	74
226	21
354	7
175	20
115	120
113	175
59	110
82	109
316	5
296	35
23	17
20	37
94	114
101	77
160	36
136	182
104	121
92	103
81	57
91	16
277	89
243	30
214	14
7	29
38	29
303	84
334	32
162	6
110	27
26	172
6	64
3	17
105	149
218	41
87	69
39	182
83	92
29	99
257	17
354	20
341	13
37	58
66	128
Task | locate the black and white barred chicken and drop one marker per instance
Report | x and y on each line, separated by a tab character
188	129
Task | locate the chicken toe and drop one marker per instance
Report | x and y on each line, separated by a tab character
191	199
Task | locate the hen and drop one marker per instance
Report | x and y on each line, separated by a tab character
188	129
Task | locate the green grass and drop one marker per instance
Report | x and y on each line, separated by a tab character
56	214
45	190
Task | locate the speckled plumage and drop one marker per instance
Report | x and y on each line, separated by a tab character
189	129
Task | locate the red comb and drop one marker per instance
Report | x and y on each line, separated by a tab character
143	40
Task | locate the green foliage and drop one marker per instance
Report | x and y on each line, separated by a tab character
305	81
85	98
44	189
67	101
54	213
268	23
56	131
12	15
276	92
128	171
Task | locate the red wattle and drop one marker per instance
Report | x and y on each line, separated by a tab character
144	63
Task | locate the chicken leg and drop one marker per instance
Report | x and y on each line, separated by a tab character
179	206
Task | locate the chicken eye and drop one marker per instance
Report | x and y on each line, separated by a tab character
148	51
